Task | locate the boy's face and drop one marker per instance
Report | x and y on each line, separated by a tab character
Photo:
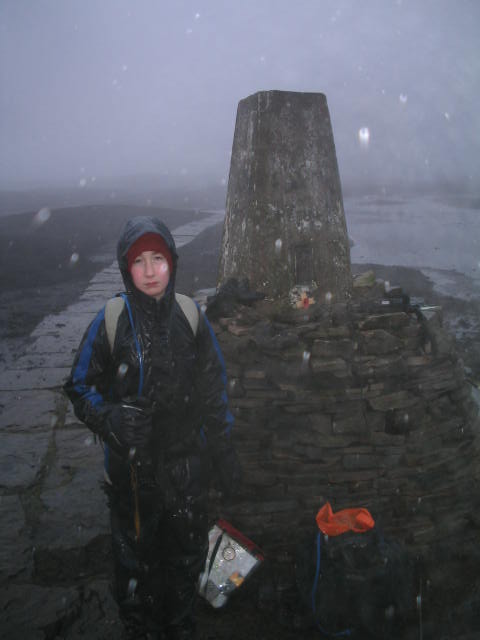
150	273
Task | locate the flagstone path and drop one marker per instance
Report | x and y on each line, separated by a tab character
54	520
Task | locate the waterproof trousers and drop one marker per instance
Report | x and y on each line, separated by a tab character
156	574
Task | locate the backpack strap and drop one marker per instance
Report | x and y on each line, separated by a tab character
114	308
190	309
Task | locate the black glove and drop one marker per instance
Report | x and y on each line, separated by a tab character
228	469
128	430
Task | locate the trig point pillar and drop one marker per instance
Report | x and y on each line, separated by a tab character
285	222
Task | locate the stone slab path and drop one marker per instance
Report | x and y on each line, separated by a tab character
53	515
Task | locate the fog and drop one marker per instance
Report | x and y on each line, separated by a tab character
114	108
92	92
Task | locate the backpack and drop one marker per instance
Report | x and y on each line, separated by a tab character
355	584
114	308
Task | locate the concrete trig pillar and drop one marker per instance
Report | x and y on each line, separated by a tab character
285	223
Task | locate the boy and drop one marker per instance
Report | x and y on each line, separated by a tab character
156	397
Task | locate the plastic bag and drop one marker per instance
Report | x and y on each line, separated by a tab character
230	560
358	520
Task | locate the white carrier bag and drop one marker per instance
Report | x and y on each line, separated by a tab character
230	560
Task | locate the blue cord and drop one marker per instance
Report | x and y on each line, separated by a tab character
137	344
338	634
317	571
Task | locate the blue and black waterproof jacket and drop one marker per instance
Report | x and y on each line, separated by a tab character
181	376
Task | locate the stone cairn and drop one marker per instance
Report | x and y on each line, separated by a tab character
356	397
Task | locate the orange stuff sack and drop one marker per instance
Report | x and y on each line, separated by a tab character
334	524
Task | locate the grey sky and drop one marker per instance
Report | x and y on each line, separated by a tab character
106	88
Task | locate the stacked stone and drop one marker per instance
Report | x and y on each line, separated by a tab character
358	404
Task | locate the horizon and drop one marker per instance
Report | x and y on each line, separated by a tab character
167	182
191	196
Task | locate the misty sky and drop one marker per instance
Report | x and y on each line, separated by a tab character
104	88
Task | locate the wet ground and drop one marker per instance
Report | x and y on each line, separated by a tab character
54	547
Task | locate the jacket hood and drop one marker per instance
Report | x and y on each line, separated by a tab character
133	230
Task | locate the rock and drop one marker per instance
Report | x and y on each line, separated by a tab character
284	198
379	367
34	612
335	365
22	411
341	348
237	330
379	341
385	321
29	611
76	509
15	544
397	400
353	461
22	457
365	279
26	379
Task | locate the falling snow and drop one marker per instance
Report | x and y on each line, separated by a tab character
122	369
42	216
364	136
132	586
